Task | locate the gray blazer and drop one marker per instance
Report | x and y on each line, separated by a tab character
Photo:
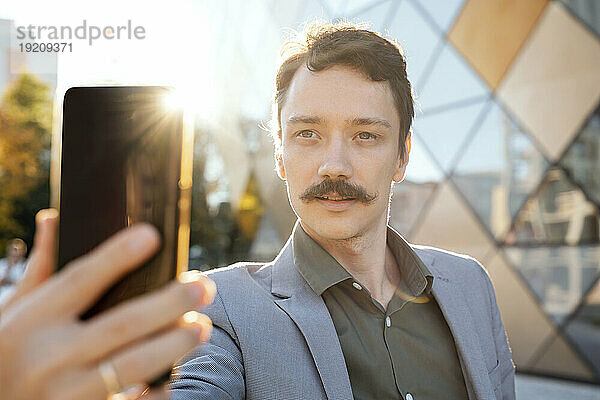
273	337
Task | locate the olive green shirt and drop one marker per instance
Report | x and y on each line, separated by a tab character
404	352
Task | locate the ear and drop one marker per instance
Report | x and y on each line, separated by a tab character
400	172
279	165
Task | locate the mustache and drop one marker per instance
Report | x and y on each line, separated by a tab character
341	187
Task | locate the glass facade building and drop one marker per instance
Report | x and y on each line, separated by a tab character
505	162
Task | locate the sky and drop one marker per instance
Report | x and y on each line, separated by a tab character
174	51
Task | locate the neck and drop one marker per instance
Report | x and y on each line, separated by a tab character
367	258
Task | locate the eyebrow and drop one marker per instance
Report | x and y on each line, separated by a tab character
369	121
304	119
358	121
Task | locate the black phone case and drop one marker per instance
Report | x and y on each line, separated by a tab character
125	158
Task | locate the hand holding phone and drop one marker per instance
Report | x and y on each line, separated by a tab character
46	351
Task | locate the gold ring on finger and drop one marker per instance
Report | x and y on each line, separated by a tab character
109	377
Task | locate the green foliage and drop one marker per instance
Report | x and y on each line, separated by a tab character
25	134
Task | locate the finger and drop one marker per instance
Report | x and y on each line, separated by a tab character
83	385
142	316
147	360
82	281
42	258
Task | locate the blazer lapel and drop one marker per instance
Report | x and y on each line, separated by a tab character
310	314
454	307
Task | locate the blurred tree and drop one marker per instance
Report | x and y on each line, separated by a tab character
25	134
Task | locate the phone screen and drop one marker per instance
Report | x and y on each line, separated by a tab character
124	159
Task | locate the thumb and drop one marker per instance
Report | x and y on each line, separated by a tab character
41	262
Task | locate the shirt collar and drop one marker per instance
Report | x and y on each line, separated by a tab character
321	270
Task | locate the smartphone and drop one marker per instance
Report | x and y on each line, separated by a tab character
126	157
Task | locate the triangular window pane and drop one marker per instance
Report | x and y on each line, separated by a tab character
582	160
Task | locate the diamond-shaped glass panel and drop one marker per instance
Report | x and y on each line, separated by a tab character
498	169
552	96
489	34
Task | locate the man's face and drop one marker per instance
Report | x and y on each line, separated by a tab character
339	151
14	254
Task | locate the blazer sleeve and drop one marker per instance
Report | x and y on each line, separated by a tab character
505	362
213	370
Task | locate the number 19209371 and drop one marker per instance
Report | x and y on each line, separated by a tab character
36	47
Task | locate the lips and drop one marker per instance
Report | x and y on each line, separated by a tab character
335	203
335	197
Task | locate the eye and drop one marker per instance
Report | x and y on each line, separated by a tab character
306	134
366	136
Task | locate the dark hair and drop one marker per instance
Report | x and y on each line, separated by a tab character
323	45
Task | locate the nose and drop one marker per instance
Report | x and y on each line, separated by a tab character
336	161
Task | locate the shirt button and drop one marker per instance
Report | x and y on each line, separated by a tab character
356	285
409	396
388	323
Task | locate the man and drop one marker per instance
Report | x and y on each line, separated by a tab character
348	308
12	268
